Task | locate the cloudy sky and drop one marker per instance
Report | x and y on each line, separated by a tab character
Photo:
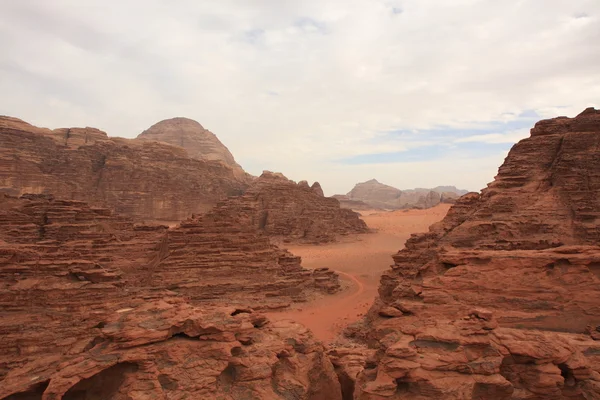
414	93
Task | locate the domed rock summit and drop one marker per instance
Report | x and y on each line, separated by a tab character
200	143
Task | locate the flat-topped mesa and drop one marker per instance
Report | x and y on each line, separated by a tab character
87	284
500	300
291	212
145	180
200	143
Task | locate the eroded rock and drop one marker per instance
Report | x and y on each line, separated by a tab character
141	179
169	349
291	212
496	298
67	268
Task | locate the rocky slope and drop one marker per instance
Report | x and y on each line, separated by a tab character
292	212
380	196
500	300
142	179
166	349
199	143
82	288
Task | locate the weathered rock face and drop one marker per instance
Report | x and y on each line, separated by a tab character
217	256
66	269
168	349
142	179
498	300
293	212
199	143
380	196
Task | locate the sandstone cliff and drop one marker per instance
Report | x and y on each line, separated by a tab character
103	298
500	300
145	180
380	196
285	210
199	143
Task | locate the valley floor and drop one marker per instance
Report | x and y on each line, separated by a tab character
359	260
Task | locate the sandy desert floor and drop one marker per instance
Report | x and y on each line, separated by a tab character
359	260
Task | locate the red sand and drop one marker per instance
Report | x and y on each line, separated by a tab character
359	260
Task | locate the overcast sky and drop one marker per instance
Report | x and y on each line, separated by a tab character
414	93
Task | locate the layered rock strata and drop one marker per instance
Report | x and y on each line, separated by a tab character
501	299
67	268
292	212
145	180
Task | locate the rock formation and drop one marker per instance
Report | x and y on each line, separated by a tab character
142	179
375	193
167	349
199	143
380	196
292	212
500	300
73	278
356	205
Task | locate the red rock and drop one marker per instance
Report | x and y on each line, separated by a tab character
168	349
390	312
67	270
348	362
292	212
505	285
142	179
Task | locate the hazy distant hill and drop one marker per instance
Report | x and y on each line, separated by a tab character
378	195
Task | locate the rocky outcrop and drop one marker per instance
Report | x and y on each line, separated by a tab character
375	193
169	349
501	299
218	256
380	196
145	180
198	142
67	268
449	197
291	212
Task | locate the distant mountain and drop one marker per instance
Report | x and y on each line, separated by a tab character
375	194
378	195
444	189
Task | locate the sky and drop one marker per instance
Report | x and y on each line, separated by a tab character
413	93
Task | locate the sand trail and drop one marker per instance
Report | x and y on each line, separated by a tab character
359	260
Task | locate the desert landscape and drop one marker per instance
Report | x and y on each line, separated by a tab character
359	261
317	200
278	291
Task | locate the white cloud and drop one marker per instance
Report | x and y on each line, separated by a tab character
291	85
495	138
